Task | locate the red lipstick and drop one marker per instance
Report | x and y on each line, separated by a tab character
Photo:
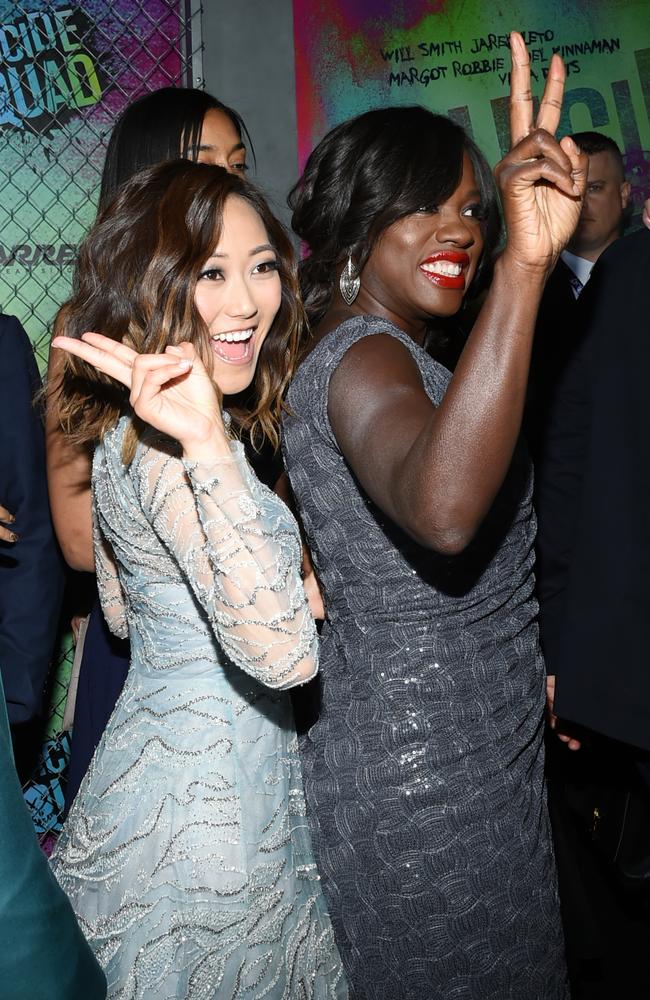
455	278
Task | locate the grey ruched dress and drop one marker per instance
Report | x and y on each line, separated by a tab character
424	770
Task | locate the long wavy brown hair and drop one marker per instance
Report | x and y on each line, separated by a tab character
135	281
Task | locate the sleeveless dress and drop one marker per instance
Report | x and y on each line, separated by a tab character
424	770
186	854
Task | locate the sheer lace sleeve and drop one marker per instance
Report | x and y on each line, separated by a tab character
111	596
240	556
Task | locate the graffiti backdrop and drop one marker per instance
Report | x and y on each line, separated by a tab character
452	56
66	71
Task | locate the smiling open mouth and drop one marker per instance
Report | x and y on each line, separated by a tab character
234	346
447	269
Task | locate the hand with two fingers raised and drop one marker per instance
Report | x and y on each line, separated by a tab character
172	391
542	181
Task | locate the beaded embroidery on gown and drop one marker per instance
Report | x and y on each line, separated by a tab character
186	854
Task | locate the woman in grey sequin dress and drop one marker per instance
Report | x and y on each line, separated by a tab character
424	769
186	854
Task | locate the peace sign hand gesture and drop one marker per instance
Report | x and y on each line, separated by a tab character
542	181
172	391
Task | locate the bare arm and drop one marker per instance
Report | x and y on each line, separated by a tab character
68	480
436	471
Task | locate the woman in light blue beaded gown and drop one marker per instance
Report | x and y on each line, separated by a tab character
186	855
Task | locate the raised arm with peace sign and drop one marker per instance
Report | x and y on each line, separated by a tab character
542	181
171	391
435	470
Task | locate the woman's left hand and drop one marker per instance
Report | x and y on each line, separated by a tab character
542	181
572	742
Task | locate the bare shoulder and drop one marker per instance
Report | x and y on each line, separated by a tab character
375	363
376	394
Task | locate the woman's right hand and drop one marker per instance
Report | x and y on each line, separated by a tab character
542	181
172	391
5	534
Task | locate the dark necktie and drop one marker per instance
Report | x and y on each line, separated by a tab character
576	284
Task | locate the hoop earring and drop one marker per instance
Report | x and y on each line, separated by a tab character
349	282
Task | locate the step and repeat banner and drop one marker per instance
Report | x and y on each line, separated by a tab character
452	56
66	71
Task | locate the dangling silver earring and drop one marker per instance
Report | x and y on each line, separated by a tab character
349	282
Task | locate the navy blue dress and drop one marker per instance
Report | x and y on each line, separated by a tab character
103	670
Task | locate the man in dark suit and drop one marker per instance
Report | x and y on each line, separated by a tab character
593	503
602	221
31	568
596	634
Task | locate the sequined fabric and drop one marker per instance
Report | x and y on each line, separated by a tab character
186	854
424	771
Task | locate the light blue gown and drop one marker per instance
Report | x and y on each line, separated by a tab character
186	854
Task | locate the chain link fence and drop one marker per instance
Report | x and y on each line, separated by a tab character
66	72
